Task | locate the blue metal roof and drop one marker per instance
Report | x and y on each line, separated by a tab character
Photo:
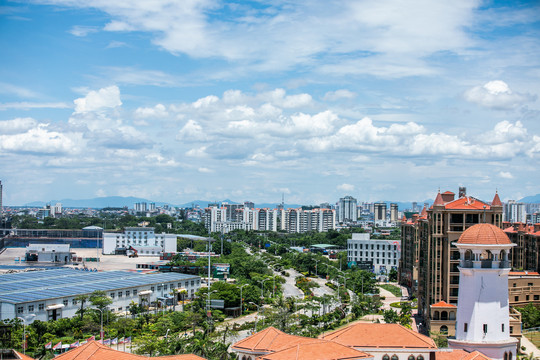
61	283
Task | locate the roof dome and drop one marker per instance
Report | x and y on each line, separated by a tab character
484	234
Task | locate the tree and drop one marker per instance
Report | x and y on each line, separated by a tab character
100	299
82	300
392	275
390	316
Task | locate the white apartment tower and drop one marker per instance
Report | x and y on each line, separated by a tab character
483	310
515	212
347	209
300	221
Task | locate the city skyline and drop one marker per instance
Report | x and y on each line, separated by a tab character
175	101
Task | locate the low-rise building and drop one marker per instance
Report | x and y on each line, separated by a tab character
384	254
51	294
142	239
55	253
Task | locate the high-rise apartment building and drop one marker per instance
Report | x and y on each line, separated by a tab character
427	248
394	212
300	221
347	209
216	219
515	212
379	211
1	205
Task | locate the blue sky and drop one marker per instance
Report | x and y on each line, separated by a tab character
201	99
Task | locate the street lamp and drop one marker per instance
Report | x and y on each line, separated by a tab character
257	317
242	300
316	263
31	316
101	325
262	288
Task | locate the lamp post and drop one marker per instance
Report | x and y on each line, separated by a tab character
316	263
242	300
101	325
31	316
262	288
257	317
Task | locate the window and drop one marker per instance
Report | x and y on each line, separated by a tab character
30	308
112	295
41	306
411	357
20	309
465	326
394	357
516	298
485	328
511	329
119	294
444	330
159	288
386	357
419	357
152	288
128	293
536	297
530	284
66	302
74	302
527	297
502	327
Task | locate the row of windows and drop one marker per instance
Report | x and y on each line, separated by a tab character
484	327
372	254
382	246
120	294
395	357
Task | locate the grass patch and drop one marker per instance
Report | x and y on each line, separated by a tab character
534	337
395	290
397	304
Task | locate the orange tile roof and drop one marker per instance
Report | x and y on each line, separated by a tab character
496	200
467	203
460	355
317	350
484	234
438	200
443	303
93	350
369	335
269	340
423	214
23	356
523	273
448	193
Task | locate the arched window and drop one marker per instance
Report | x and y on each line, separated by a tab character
509	355
505	355
468	255
244	357
394	357
386	357
444	330
486	255
444	315
411	357
435	315
419	357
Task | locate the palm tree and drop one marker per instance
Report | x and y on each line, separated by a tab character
81	299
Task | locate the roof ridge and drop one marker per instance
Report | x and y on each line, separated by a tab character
419	336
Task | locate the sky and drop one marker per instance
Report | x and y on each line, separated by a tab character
181	100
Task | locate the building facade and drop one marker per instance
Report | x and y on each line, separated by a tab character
379	211
347	209
51	294
430	258
301	221
384	254
142	239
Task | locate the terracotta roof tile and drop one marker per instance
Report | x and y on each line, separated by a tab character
317	350
460	355
496	200
467	203
443	303
23	356
438	200
369	335
269	340
93	350
484	234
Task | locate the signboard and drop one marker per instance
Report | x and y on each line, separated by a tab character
365	264
217	304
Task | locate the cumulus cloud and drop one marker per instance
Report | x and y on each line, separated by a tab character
17	125
41	140
497	95
105	98
191	131
158	111
346	187
506	175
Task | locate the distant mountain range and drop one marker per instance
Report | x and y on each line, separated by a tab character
120	201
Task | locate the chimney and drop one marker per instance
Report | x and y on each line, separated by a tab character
448	196
462	192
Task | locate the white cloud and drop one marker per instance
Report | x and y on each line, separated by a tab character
197	152
104	98
17	125
10	89
205	102
338	95
191	131
505	131
25	105
506	175
158	111
205	170
42	141
81	31
497	95
346	187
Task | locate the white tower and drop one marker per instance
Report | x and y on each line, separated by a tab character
482	317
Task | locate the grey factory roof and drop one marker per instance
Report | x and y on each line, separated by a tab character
60	283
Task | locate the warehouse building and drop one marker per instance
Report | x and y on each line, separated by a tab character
50	294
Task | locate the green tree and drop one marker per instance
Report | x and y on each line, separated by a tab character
100	299
390	316
81	299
